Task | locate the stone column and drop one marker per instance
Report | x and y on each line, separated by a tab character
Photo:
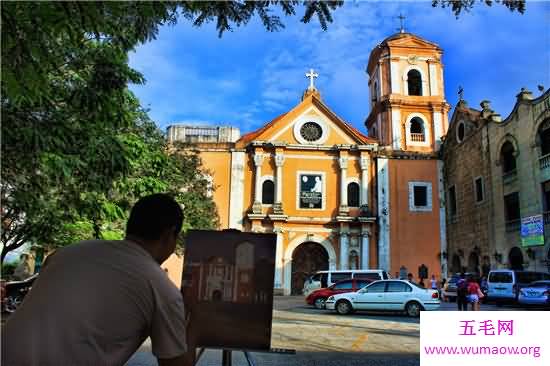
365	164
257	206
344	250
278	206
343	161
279	259
365	245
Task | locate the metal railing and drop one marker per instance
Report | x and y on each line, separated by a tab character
417	137
510	176
544	161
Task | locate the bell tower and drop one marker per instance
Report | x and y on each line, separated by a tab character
407	98
408	117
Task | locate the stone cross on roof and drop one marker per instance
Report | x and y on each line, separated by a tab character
311	75
402	19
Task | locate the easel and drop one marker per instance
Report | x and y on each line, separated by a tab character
227	355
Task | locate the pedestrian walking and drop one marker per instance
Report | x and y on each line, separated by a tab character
474	293
442	289
96	301
462	293
433	283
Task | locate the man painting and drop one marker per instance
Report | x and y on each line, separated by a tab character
96	301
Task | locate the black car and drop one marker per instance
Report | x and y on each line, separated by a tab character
15	292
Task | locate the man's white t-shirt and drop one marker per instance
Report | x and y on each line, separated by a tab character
94	304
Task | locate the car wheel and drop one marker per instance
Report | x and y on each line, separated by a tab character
320	303
343	307
413	309
12	302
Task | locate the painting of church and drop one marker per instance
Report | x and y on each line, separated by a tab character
337	197
234	282
227	284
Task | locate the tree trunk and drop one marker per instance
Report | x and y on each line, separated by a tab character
97	230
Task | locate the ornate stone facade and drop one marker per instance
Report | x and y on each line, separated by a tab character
512	158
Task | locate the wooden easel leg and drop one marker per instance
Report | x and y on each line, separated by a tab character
226	358
198	356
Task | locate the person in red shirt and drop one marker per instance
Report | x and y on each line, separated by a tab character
474	293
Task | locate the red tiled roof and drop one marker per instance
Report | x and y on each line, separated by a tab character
355	132
361	135
252	135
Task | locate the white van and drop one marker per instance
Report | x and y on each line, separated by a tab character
323	279
504	284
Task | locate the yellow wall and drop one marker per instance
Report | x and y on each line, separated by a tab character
218	165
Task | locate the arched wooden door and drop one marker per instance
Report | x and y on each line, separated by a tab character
473	263
515	259
307	259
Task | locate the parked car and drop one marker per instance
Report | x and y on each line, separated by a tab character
318	297
449	291
324	279
536	293
504	284
15	291
392	295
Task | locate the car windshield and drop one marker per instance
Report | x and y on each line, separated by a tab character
540	284
500	277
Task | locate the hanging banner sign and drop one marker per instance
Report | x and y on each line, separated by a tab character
532	231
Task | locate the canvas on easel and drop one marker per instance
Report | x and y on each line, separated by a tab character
228	286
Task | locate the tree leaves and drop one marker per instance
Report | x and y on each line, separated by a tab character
458	6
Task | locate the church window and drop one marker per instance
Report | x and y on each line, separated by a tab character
544	138
353	194
414	82
452	201
461	131
268	192
511	207
508	159
417	130
479	192
311	131
420	196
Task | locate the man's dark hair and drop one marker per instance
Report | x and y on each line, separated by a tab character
153	214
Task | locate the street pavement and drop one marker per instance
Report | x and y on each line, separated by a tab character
323	338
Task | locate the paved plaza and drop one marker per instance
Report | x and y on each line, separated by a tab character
323	338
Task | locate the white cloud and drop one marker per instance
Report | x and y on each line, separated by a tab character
250	76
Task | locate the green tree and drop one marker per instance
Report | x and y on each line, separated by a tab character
71	141
459	6
70	148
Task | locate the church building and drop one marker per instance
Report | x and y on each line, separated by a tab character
339	198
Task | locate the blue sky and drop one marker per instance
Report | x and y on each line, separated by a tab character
250	76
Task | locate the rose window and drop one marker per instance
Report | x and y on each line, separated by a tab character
311	131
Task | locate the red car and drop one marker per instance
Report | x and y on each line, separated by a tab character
317	298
